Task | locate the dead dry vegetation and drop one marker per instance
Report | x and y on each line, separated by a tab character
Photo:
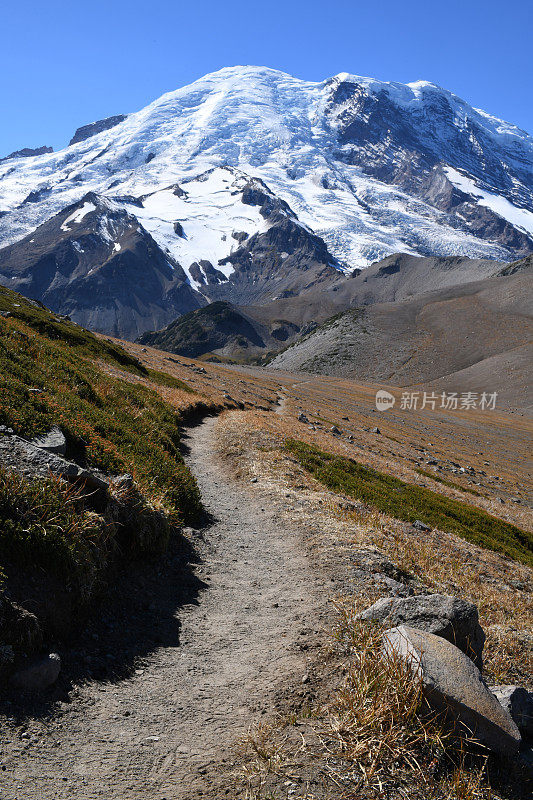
368	735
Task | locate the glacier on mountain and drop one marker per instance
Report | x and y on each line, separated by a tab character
373	168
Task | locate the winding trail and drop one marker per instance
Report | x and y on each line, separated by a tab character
164	733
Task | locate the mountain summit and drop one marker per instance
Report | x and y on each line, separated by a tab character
255	185
372	167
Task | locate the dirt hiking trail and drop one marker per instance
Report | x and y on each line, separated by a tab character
165	730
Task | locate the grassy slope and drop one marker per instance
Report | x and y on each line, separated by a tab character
409	502
110	423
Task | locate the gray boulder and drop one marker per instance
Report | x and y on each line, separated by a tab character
54	441
519	703
452	683
39	675
451	618
32	461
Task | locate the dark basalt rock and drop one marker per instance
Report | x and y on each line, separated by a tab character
39	675
96	127
28	152
205	274
101	268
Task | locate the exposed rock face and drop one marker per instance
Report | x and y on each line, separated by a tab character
451	618
284	261
32	461
96	264
96	127
39	675
414	157
205	274
28	152
453	683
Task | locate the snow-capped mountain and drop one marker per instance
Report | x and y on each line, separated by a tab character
94	262
258	185
372	167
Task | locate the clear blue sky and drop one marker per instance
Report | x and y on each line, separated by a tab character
63	64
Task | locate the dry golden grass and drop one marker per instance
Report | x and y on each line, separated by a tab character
373	738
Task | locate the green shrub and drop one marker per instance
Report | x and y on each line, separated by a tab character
410	502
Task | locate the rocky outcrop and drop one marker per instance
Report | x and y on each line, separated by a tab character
86	131
53	441
94	263
283	261
204	273
451	618
28	152
32	461
453	684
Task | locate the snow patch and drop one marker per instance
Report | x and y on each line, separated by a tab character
77	216
209	211
520	217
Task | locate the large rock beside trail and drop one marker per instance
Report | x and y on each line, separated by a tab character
39	675
452	682
519	703
451	618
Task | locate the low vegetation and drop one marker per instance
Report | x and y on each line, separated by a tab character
446	482
49	376
410	502
45	525
115	420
